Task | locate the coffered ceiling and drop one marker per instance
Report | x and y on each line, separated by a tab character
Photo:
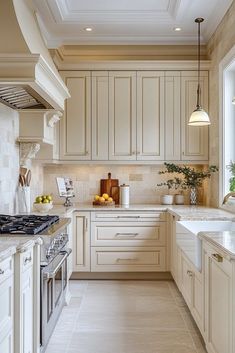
127	21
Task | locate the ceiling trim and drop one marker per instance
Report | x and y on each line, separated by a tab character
173	65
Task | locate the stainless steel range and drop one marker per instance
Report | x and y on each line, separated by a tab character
53	262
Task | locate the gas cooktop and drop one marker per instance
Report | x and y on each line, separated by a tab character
25	224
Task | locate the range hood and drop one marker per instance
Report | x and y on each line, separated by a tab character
28	76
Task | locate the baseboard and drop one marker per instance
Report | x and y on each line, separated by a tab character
123	275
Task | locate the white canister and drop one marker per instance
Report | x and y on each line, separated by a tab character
167	199
124	194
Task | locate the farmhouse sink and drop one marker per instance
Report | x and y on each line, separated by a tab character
187	236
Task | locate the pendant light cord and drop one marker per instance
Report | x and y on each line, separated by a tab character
199	66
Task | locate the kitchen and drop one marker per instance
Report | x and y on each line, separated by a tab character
91	89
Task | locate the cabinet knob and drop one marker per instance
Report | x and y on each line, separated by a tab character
133	153
1	272
27	259
217	257
87	152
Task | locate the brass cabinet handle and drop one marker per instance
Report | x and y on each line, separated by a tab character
190	273
1	272
217	257
27	259
86	224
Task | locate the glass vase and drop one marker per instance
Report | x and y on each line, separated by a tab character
193	196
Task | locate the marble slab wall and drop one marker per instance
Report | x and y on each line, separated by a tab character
143	181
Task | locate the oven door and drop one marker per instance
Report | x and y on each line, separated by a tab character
53	285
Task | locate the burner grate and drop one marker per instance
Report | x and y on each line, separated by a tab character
25	224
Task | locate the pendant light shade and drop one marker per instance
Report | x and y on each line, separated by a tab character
199	116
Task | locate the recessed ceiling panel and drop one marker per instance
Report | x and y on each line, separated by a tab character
127	21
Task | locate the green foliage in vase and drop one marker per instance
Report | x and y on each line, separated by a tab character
191	177
231	168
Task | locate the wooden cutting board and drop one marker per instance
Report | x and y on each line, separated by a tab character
111	187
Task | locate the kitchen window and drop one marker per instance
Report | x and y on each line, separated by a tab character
227	125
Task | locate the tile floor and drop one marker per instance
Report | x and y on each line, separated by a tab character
125	317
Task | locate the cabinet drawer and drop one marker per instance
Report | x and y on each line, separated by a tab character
6	268
128	259
6	306
128	216
27	259
129	234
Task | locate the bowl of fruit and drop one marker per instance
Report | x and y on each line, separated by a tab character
104	200
43	203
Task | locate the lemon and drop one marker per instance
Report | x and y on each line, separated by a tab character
48	197
105	196
101	199
96	198
110	199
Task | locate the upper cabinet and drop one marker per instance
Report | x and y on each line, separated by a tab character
135	116
100	115
150	115
76	122
122	115
194	140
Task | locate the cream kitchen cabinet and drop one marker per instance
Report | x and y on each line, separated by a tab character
6	305
100	115
128	242
81	242
191	286
27	300
219	300
172	116
194	140
150	115
75	125
122	115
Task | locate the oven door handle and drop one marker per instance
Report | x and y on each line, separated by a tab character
53	269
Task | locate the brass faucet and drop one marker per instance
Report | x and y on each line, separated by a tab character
226	197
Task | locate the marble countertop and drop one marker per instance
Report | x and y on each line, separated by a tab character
9	246
183	212
224	240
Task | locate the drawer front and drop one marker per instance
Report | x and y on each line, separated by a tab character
109	234
6	268
6	306
128	259
128	216
27	259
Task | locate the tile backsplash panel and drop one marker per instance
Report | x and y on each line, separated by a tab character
9	159
143	180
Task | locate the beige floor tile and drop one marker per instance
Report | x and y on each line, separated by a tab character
126	317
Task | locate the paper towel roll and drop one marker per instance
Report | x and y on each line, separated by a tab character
125	194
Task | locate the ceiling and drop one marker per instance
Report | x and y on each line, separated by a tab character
62	22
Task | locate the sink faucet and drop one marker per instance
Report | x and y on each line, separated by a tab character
226	197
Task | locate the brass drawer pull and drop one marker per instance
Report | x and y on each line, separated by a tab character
126	234
27	259
2	272
190	273
217	257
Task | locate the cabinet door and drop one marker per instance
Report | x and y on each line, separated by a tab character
122	115
100	116
172	116
81	243
27	311
6	315
186	280
219	305
70	245
150	115
194	139
6	343
76	122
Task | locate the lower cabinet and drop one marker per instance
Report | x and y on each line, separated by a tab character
6	305
219	301
192	290
81	242
128	242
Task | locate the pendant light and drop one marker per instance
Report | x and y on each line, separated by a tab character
199	116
